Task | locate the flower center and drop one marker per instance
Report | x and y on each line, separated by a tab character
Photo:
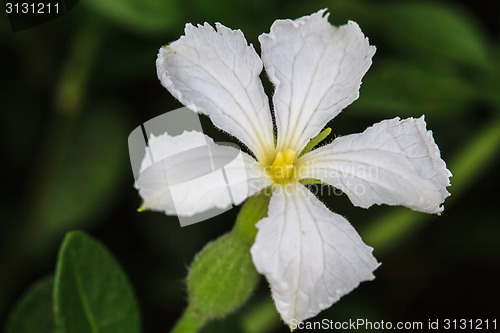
281	170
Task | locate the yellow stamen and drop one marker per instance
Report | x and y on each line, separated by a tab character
281	169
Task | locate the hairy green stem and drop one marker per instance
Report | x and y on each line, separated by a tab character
252	211
189	322
222	276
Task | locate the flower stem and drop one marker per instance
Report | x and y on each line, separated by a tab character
252	211
188	323
222	276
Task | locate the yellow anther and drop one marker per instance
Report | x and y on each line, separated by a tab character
288	156
282	167
278	160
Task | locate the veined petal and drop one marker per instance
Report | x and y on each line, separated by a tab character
216	72
188	174
317	70
310	256
394	162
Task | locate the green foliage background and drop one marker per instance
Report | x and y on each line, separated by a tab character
73	89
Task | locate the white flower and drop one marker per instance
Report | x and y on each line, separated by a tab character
310	256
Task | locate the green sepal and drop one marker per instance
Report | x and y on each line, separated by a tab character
311	181
316	140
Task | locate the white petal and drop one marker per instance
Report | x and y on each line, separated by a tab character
217	73
188	174
394	162
310	256
317	70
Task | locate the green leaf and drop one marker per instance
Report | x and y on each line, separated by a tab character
152	16
33	313
403	89
92	293
433	30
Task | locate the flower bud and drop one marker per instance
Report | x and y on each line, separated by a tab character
222	276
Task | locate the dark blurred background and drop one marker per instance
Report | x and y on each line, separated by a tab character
72	90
